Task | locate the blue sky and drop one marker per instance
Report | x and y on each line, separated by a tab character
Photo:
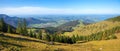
27	7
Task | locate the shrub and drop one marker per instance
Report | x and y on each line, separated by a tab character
13	48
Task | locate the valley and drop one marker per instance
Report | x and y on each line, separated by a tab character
98	36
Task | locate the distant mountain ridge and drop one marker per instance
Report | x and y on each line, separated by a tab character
53	20
13	20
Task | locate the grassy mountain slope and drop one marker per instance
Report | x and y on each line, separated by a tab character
68	26
93	28
96	27
21	43
107	45
14	42
114	19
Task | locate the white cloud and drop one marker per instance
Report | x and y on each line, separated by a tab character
42	10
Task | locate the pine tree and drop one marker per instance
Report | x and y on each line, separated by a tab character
21	27
34	35
73	38
39	35
24	27
31	33
3	26
48	37
9	29
18	30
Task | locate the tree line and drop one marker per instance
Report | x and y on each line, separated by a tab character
103	35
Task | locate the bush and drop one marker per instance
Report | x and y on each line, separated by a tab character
13	48
112	37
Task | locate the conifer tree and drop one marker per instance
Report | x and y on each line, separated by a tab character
21	27
48	37
3	26
73	38
34	35
31	33
9	29
39	35
18	30
24	27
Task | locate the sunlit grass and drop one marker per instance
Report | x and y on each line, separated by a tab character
104	45
13	41
92	28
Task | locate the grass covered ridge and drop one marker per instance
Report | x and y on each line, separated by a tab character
16	42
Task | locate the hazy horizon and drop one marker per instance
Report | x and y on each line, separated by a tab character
59	7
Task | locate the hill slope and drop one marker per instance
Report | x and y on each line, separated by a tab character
15	42
114	19
95	27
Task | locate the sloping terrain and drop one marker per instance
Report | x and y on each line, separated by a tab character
107	45
16	42
114	19
13	42
95	27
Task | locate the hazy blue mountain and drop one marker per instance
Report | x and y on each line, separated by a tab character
13	20
42	21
